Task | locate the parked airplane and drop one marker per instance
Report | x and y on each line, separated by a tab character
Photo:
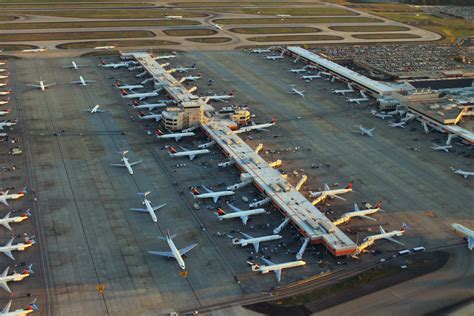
164	57
2	70
112	65
74	65
259	127
3	84
346	217
284	15
7	123
465	174
148	106
4	112
216	97
185	69
237	212
9	247
82	81
344	91
274	57
328	193
174	253
175	17
186	152
275	267
255	241
4	196
126	163
293	90
105	47
177	136
128	86
93	110
298	70
34	50
4	76
2	63
41	85
4	102
364	131
387	235
445	148
217	26
30	308
380	115
15	277
6	92
148	207
149	116
210	194
400	124
260	50
140	96
311	77
190	78
207	145
364	98
468	233
5	221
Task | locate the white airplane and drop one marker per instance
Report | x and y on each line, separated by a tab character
311	77
148	207
468	233
7	123
186	152
4	102
214	195
216	97
284	15
5	222
93	110
344	91
105	47
41	85
34	50
4	76
298	70
4	112
328	193
387	235
399	125
30	308
190	78
293	90
140	96
74	65
128	86
174	253
254	241
275	267
346	217
237	212
148	106
260	50
3	70
274	57
259	127
4	196
176	17
9	247
445	148
381	115
82	81
2	63
15	277
185	69
126	163
177	136
364	98
465	174
149	116
207	145
112	65
3	84
6	92
364	131
164	57
217	26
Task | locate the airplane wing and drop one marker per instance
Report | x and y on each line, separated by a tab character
118	164
246	235
49	85
356	208
77	81
368	217
394	240
184	250
6	309
4	285
168	254
337	197
278	274
6	225
86	81
139	209
470	243
268	262
4	201
234	208
156	208
8	253
326	187
183	148
135	163
244	219
191	157
207	189
215	198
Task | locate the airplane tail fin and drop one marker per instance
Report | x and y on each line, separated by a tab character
274	120
135	103
117	84
123	92
23	191
102	62
378	204
159	132
172	150
220	212
32	306
404	226
28	270
232	93
195	191
349	185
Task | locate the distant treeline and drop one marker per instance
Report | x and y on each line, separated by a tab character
439	2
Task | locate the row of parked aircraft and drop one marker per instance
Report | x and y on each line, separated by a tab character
4	100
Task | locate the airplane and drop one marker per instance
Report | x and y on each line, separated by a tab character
34	50
5	222
441	147
259	127
74	65
274	57
174	16
217	26
380	115
387	235
284	15
254	241
346	217
149	116
140	96
364	131
30	308
9	247
186	152
2	63
328	193
93	110
177	136
149	106
41	85
293	90
3	84
4	196
237	212
4	76
3	70
216	97
214	195
4	112
190	78
344	91
185	69
260	50
7	123
400	124
298	70
4	102
112	65
364	98
468	233
311	77
174	253
128	86
126	163
105	47
16	277
82	81
275	267
465	174
148	207
164	57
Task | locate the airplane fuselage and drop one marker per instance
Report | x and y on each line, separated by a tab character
175	253
150	210
279	266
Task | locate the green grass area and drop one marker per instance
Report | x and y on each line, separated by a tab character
7	18
210	40
53	1
386	7
385	36
190	32
119	44
368	28
8	48
234	3
110	14
294	38
94	24
298	11
71	5
273	30
20	37
240	21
